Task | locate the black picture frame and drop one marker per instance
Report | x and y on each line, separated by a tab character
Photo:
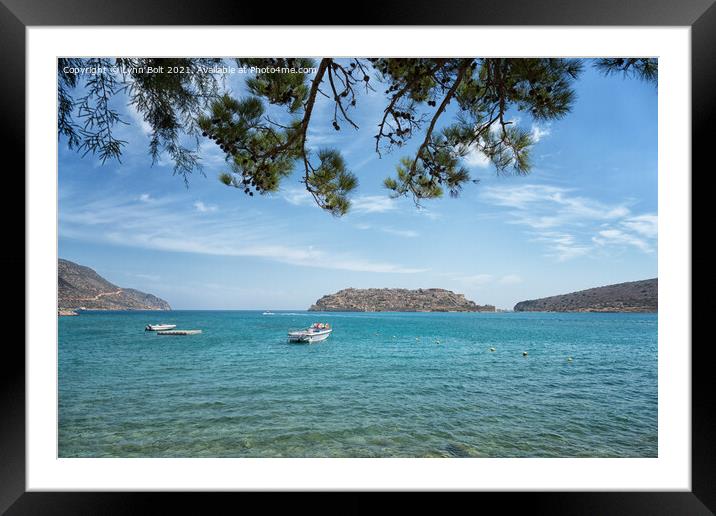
17	15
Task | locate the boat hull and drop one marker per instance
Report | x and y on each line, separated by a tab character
159	327
308	337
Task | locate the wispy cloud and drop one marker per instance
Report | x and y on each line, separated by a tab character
167	225
553	205
405	233
619	237
476	158
539	132
297	196
571	225
645	225
562	246
373	204
428	214
205	208
138	120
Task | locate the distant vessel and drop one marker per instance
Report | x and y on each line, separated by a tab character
268	313
316	333
159	327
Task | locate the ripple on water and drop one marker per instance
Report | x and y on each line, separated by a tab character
238	390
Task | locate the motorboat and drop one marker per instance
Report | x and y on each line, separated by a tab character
159	327
315	333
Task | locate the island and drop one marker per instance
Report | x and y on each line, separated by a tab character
80	287
632	296
397	300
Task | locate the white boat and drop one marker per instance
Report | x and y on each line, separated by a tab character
316	333
268	313
159	327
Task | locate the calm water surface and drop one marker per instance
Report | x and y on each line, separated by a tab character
383	385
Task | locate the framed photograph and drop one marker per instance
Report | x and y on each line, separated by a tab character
449	257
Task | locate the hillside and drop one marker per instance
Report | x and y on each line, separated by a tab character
397	300
81	287
633	296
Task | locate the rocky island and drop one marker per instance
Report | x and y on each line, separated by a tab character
80	287
633	296
397	300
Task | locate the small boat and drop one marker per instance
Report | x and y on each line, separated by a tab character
159	327
315	333
268	313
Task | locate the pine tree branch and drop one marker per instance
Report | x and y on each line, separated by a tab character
393	101
310	101
337	98
446	100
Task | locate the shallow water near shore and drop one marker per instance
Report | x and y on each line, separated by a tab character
383	385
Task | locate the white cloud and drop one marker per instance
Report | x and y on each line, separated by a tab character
204	208
562	246
572	225
407	233
616	237
373	204
551	206
211	154
429	214
298	196
476	158
562	252
538	132
168	225
138	119
359	205
145	197
645	225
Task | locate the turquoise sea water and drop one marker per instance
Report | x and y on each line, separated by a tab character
383	385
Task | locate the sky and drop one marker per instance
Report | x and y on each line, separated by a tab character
585	216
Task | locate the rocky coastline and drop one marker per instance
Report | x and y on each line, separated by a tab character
397	300
81	288
633	296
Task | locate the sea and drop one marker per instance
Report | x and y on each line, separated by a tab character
382	385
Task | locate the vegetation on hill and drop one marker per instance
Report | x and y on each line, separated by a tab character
633	296
397	300
81	287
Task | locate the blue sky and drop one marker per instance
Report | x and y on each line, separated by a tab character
585	216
